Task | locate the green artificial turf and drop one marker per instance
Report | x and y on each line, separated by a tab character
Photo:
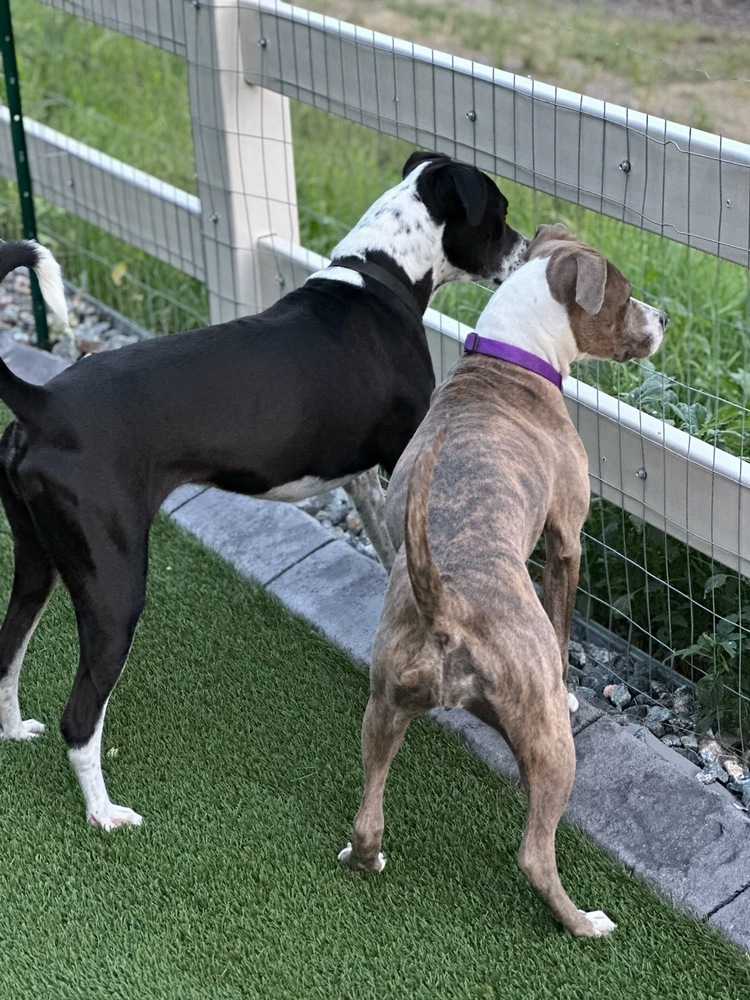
236	729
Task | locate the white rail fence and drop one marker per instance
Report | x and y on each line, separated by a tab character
240	234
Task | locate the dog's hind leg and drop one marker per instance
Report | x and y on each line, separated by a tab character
367	496
102	560
33	581
107	611
383	729
543	745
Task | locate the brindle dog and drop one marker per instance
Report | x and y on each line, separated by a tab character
495	464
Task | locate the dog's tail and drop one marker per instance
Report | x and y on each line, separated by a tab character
29	253
23	398
426	582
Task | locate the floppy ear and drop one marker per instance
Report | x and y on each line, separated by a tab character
471	188
591	281
446	187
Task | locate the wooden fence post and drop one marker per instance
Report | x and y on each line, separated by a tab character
244	164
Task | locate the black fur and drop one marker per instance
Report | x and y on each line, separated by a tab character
328	382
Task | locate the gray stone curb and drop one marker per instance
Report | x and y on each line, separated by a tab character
259	538
27	362
635	797
338	590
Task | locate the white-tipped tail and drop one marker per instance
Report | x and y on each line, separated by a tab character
50	281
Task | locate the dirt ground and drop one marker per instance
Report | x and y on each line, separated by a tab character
729	14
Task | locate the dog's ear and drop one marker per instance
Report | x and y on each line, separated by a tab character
472	191
448	188
419	157
552	231
590	281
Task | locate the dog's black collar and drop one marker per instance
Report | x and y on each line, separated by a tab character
385	277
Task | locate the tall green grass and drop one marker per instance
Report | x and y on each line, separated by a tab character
130	100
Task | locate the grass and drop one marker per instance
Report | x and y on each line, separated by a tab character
236	729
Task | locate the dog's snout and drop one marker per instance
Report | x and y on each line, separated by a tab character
653	323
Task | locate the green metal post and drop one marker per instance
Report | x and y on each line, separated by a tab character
8	49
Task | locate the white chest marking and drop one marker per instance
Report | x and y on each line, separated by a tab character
340	274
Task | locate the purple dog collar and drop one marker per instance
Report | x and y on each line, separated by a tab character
516	355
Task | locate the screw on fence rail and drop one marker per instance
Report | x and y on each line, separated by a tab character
23	175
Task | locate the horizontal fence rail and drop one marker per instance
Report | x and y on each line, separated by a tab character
130	204
638	168
631	166
159	22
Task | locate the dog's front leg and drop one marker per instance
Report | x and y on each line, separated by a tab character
560	582
367	496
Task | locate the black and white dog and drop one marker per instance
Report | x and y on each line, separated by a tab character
328	383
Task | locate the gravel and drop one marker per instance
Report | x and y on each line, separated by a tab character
89	330
664	704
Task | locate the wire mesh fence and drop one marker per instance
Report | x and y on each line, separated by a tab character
87	83
677	225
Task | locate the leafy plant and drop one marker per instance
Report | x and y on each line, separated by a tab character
717	424
723	693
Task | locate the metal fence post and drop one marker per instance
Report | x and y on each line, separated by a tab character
10	69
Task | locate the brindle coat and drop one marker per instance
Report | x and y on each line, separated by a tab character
462	625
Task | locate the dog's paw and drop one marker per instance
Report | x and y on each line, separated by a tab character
346	857
572	703
114	816
600	922
345	854
32	728
29	729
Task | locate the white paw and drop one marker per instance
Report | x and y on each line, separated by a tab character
346	852
600	922
114	816
28	730
32	728
572	703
